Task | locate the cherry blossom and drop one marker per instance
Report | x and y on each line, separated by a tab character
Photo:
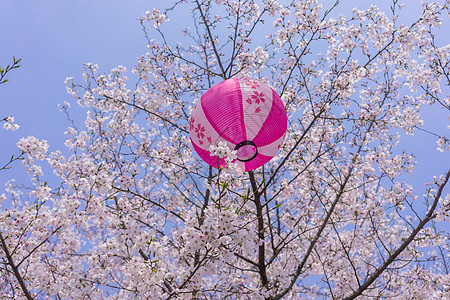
34	147
9	124
222	150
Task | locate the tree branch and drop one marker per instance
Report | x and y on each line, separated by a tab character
15	268
403	246
259	216
211	38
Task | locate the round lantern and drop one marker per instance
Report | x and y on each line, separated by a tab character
246	114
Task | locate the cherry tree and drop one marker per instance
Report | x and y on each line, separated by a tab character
138	214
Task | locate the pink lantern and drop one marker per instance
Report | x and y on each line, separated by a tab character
246	114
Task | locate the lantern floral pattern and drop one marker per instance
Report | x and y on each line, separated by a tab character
246	114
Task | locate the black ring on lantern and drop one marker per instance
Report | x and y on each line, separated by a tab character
245	143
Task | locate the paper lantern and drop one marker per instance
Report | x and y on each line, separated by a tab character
247	114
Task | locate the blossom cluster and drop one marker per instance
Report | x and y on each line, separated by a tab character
34	147
222	150
156	16
9	124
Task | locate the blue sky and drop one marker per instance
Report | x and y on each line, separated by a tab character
54	38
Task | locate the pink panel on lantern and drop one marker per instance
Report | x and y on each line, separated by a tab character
257	162
223	103
202	132
272	148
257	102
275	125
